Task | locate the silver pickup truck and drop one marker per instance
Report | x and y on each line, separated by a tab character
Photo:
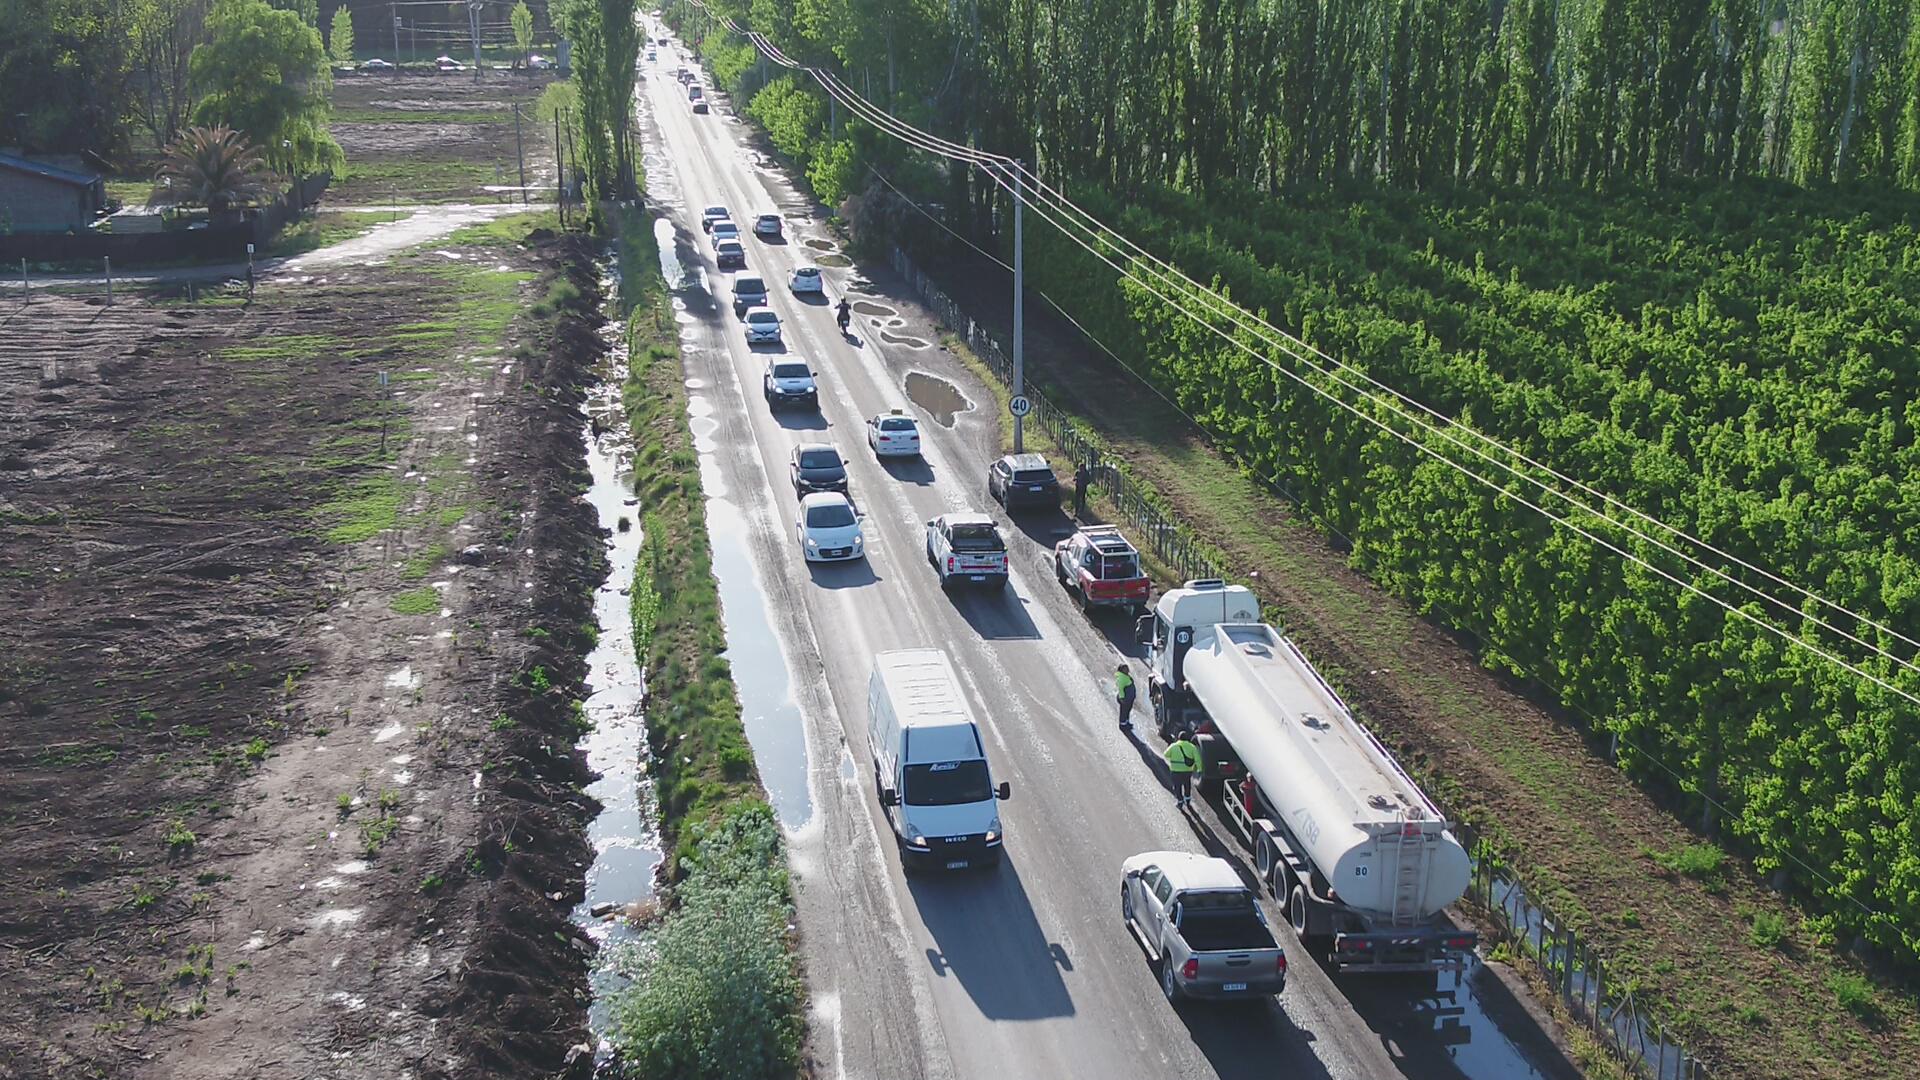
1201	925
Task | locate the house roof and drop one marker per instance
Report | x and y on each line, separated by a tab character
46	171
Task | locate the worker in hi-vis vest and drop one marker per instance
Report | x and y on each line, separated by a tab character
1123	693
1183	760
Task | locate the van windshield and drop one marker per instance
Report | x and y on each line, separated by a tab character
947	783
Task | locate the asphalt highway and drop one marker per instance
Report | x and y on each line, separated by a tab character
1023	972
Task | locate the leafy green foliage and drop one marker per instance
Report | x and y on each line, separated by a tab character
340	36
606	45
715	989
1734	362
264	73
521	19
212	167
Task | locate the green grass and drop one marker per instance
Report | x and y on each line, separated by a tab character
511	229
423	563
324	229
281	347
130	192
367	508
711	766
416	179
1854	993
424	600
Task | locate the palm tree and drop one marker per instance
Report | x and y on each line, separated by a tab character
212	167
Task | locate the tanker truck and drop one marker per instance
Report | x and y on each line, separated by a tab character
1358	857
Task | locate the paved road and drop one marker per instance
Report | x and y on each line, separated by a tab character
1026	972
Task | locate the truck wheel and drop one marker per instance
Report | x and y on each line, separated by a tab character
1308	924
1168	985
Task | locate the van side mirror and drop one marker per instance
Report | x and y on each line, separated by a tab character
1004	791
889	797
1143	630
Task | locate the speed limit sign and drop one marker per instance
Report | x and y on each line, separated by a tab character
1020	406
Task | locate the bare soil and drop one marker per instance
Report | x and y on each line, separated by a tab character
288	787
438	138
1496	751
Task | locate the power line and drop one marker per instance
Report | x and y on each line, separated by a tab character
1025	186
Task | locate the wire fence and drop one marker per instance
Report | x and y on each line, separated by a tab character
1609	1008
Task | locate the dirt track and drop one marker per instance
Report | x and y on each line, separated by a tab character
282	787
438	138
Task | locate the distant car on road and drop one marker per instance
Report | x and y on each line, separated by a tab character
652	55
712	214
1023	480
541	63
767	225
375	64
893	434
730	255
763	327
829	528
806	279
1102	568
966	547
816	467
1201	925
448	63
789	382
749	291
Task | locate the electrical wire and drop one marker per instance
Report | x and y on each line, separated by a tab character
1022	184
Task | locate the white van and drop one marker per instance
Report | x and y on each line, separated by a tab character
930	765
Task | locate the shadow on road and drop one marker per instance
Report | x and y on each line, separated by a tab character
908	470
995	614
986	936
852	574
1238	1039
1044	525
801	420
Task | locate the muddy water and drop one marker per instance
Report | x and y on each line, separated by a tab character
868	307
901	339
625	836
820	245
937	396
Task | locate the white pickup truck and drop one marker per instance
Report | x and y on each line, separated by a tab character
966	548
1201	925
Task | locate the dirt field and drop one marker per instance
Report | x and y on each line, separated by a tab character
287	673
438	138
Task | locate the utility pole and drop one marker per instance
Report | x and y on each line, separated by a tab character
393	9
473	24
520	151
559	171
1019	313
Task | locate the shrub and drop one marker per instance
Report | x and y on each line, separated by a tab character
715	991
1701	861
1768	929
1853	992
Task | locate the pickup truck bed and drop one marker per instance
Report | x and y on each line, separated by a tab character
1225	931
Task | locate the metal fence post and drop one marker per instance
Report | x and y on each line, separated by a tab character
108	260
26	287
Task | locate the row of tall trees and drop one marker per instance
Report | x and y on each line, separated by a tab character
86	75
606	47
1269	93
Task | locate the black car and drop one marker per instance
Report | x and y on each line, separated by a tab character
817	467
1023	480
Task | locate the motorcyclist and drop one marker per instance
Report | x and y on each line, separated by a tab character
845	312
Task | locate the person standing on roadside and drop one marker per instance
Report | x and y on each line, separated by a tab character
1082	477
1123	693
1183	760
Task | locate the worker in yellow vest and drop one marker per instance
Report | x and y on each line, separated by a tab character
1183	760
1123	694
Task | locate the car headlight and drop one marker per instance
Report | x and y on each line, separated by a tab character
812	543
915	838
993	830
859	541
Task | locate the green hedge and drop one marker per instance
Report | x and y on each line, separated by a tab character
1736	362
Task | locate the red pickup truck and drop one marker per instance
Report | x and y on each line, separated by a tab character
1098	565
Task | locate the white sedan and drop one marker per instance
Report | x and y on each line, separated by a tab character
763	327
893	434
806	279
829	529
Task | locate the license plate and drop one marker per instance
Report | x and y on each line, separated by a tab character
976	577
961	864
1229	987
1036	487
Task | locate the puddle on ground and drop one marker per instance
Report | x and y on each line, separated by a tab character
937	396
671	267
868	307
624	835
773	722
821	245
837	262
901	339
1448	1020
